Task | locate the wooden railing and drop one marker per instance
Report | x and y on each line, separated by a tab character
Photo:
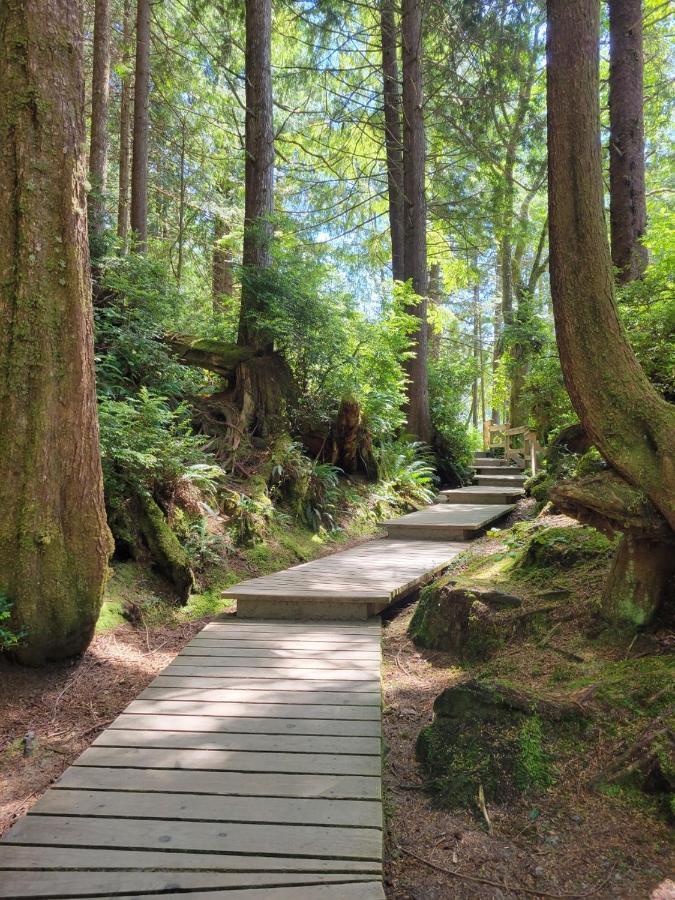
502	436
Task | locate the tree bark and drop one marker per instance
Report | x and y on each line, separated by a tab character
262	383
54	541
631	425
640	580
415	256
627	201
125	132
222	276
139	168
259	169
435	291
392	136
98	152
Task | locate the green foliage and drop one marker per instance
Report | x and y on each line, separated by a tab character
139	305
8	638
309	488
147	445
406	472
647	307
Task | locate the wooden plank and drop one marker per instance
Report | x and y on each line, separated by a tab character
49	859
263	672
323	631
262	710
370	666
151	834
57	885
230	761
337	787
365	646
338	656
249	725
124	805
236	682
256	743
346	891
261	695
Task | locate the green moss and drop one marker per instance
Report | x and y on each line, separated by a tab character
533	768
561	547
111	615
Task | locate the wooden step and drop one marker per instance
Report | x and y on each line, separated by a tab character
492	469
481	495
515	481
443	521
354	584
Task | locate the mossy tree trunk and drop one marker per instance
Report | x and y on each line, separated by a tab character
628	421
639	581
54	541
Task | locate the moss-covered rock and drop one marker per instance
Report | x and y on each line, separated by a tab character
463	620
539	486
484	735
564	546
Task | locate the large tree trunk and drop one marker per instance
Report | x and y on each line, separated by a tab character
139	169
627	202
98	152
262	382
415	254
54	541
631	425
125	132
392	136
259	174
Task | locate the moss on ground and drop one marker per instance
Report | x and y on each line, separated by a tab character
564	652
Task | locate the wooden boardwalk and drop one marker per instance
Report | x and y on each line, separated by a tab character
355	584
250	767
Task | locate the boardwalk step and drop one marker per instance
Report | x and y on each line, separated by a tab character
444	521
481	495
500	480
355	584
496	469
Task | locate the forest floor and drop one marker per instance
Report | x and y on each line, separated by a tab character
566	841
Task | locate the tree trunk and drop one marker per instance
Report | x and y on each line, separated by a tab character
54	541
125	133
181	207
139	168
497	338
259	174
476	356
631	425
627	201
415	256
222	276
98	152
392	136
640	580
